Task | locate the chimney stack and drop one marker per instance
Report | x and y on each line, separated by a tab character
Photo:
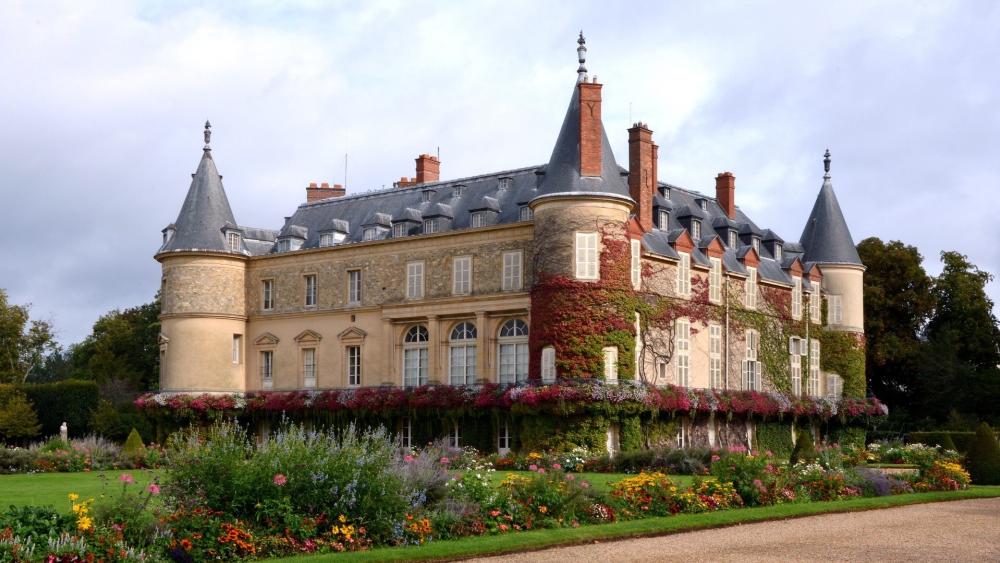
642	172
591	132
725	193
428	169
323	191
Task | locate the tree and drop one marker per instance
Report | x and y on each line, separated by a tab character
24	343
122	348
18	420
983	457
898	304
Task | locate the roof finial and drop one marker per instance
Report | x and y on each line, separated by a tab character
208	135
581	53
826	165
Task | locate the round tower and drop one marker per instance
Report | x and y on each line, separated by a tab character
203	293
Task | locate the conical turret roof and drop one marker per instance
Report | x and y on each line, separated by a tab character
205	212
826	238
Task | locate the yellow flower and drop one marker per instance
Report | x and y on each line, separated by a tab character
84	523
342	518
73	496
543	509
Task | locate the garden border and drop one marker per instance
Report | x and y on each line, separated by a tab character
536	540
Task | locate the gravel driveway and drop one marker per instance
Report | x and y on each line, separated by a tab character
967	530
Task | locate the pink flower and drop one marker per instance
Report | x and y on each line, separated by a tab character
445	461
585	484
770	453
153	488
715	458
126	478
280	480
570	477
532	467
541	470
408	458
556	466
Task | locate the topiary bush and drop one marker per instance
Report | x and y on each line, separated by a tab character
134	450
983	458
804	450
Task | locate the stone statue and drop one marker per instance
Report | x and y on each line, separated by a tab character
64	432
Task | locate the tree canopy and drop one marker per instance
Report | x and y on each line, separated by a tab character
25	343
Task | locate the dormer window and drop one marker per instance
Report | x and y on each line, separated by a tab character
426	195
526	213
370	233
430	226
733	239
478	219
664	220
755	242
777	252
167	235
504	183
666	193
284	245
235	242
695	229
326	239
399	230
458	191
703	204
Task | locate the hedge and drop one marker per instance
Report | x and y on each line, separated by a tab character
962	440
71	401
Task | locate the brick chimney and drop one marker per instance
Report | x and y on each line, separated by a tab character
428	169
725	193
323	191
642	172
590	128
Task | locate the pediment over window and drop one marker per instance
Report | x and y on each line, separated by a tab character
266	339
308	336
352	333
162	340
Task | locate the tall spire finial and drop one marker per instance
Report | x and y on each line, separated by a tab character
826	165
208	135
581	52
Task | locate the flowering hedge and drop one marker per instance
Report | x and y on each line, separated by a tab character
561	398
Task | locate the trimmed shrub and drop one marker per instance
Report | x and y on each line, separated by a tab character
961	440
983	458
134	449
71	401
804	449
18	421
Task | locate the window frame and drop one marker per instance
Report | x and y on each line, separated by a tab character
835	310
461	275
237	352
609	354
512	276
548	364
513	347
235	242
354	367
464	337
682	352
355	284
715	380
636	258
751	365
587	256
663	220
683	281
796	298
795	364
309	368
267	368
312	292
420	347
415	279
695	230
715	280
814	367
477	219
815	306
400	230
750	289
525	213
431	226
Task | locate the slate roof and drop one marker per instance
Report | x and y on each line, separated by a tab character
205	212
562	173
826	238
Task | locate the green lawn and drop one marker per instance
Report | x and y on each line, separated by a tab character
50	489
540	539
600	481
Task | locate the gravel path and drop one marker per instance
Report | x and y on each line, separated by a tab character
967	530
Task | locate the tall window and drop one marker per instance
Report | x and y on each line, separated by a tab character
586	256
777	252
683	285
354	287
234	242
695	230
415	356
525	214
715	280
503	437
715	355
795	349
664	220
751	289
796	298
462	275
309	367
267	368
513	352
755	242
682	351
733	240
353	366
548	364
454	436
814	305
414	280
751	367
512	271
310	291
661	371
406	433
267	294
237	347
636	263
610	354
834	385
814	367
836	312
462	354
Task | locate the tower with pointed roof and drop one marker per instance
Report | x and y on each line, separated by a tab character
826	241
203	260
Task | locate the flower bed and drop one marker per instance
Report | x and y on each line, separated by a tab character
562	398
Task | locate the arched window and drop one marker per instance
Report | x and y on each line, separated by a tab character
415	356
462	354
513	352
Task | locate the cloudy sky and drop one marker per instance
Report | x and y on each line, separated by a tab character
103	105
